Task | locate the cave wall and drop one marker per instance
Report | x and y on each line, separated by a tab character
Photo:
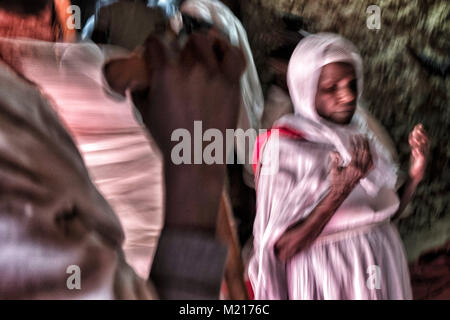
401	90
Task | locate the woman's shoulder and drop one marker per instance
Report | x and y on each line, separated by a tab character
295	155
294	147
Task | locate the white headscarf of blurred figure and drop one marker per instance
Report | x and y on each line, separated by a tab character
312	53
219	15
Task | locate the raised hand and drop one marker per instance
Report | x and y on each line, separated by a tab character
420	148
199	81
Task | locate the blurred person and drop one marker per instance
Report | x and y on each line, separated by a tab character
72	222
122	159
54	66
116	148
85	225
120	155
217	14
191	14
175	89
323	228
51	215
203	15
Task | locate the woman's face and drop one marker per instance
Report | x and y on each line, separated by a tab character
336	93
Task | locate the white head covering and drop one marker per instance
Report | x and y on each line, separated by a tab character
310	55
218	14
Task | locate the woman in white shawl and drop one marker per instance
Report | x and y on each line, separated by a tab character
323	229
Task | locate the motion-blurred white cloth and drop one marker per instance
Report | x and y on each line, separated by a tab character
250	116
121	158
42	181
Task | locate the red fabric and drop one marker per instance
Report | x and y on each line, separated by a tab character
260	141
251	295
248	285
12	25
263	138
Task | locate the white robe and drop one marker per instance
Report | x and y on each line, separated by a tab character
252	104
121	157
359	254
42	175
358	236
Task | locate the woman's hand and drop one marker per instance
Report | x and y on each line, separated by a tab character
343	180
420	148
289	244
302	234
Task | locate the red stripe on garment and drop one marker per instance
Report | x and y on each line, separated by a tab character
263	138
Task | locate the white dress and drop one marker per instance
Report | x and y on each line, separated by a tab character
359	254
252	105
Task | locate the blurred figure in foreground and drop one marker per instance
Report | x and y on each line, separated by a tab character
210	91
83	63
72	223
122	159
324	218
217	14
117	149
190	226
51	215
66	220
